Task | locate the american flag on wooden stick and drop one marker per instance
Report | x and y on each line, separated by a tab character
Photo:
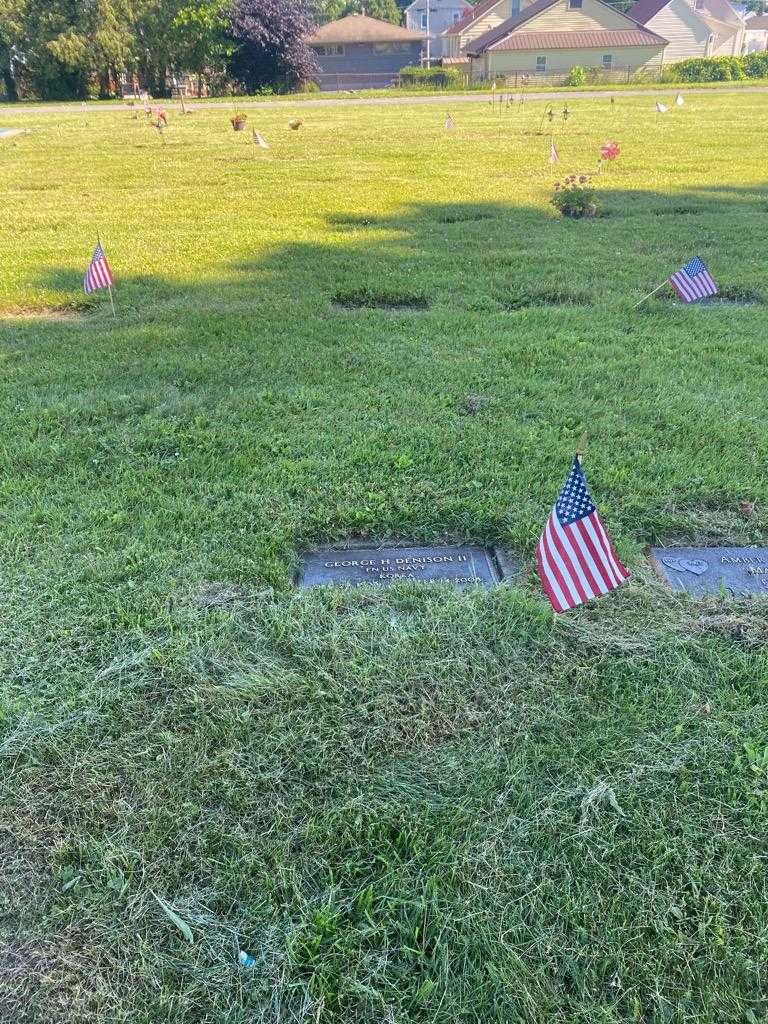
575	557
98	274
693	281
259	140
552	152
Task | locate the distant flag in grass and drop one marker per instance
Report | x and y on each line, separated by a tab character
553	157
575	557
660	107
693	281
259	140
679	101
449	123
98	274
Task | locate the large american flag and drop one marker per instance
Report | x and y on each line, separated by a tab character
575	556
693	282
98	274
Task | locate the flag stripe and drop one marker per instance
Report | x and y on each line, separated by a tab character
599	572
572	560
620	573
570	578
558	567
548	580
618	568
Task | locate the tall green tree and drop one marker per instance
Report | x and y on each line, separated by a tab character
69	44
157	44
202	44
12	26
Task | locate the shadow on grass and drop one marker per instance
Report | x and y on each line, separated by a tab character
473	257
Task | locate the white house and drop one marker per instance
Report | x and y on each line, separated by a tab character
693	28
431	17
756	34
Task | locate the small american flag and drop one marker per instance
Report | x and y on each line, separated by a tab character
552	152
693	282
660	108
449	123
575	557
98	274
259	140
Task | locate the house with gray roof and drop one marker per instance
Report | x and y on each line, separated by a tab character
358	52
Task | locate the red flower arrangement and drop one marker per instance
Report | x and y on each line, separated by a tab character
609	150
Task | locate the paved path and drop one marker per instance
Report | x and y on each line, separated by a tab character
446	100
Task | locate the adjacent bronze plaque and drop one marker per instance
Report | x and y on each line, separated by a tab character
462	565
740	572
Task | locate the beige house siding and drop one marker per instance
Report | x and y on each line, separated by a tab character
498	63
456	43
591	17
687	34
695	33
727	42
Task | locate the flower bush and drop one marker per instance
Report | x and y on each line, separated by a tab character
609	150
575	197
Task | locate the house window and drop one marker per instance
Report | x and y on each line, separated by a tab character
514	7
541	65
423	19
391	47
574	5
329	51
456	16
607	61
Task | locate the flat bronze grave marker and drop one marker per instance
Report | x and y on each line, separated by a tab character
740	572
463	565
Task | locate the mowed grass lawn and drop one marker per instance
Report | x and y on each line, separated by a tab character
407	805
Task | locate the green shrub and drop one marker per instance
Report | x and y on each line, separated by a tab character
576	76
309	86
445	78
708	69
594	74
755	65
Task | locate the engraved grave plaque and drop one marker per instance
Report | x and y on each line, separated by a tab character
740	572
462	565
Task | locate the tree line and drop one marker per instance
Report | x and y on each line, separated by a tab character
81	49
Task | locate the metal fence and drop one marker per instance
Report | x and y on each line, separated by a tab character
534	80
516	81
